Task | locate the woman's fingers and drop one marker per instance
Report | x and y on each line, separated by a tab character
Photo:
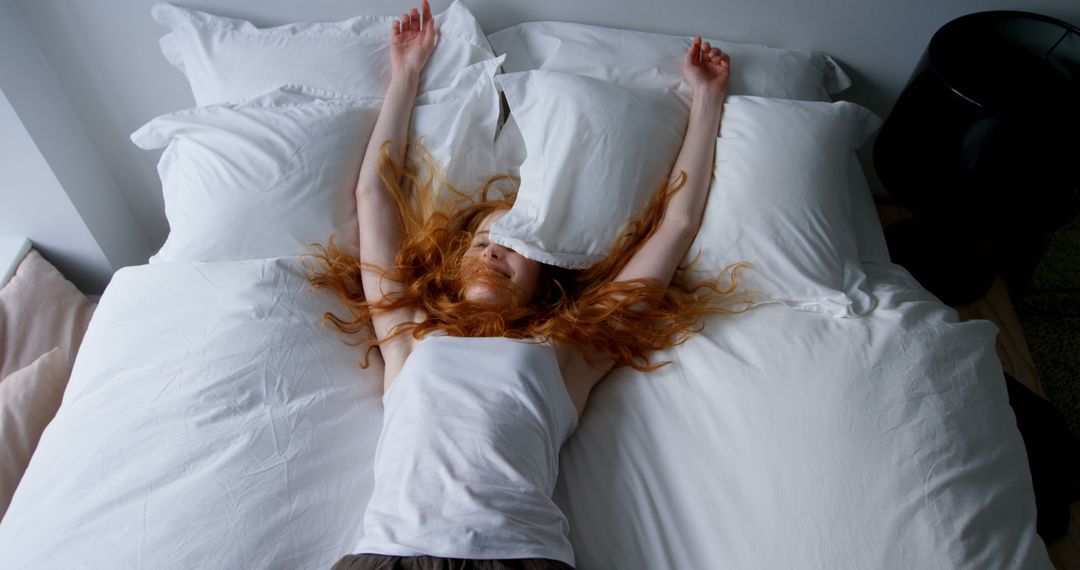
411	21
694	54
427	14
701	52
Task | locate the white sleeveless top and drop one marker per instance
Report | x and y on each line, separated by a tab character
467	460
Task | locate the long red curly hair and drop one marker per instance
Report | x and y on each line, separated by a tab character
622	321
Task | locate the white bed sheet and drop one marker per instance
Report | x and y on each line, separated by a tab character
211	423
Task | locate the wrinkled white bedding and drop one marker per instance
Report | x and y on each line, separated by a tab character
211	423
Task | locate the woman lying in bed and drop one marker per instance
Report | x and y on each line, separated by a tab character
490	357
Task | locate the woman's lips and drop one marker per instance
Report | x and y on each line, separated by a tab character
493	268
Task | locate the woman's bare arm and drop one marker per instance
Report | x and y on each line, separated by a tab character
706	70
376	211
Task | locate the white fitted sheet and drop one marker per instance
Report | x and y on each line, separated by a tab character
211	423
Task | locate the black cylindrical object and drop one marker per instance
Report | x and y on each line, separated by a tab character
986	134
983	146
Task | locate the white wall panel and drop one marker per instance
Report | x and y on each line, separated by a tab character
33	204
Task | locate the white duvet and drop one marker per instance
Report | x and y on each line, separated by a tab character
211	423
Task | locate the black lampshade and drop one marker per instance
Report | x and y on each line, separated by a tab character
987	131
983	146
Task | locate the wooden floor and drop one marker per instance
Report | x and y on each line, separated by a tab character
1012	349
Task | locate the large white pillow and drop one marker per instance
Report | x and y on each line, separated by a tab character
643	59
781	199
266	176
870	239
597	152
225	59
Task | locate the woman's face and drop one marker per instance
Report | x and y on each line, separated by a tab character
487	265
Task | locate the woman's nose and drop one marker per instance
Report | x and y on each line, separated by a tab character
493	250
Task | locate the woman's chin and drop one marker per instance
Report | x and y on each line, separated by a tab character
488	295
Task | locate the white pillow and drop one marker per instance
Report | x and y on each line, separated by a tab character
597	152
510	154
225	59
781	200
642	59
266	176
869	235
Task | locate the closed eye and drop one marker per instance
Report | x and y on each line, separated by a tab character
481	239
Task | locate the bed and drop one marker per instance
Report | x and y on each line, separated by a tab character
848	420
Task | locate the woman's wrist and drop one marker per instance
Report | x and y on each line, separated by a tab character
708	105
403	85
710	95
405	77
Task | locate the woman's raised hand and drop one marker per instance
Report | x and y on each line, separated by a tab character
706	69
411	46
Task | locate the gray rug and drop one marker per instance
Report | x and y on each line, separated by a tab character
1049	313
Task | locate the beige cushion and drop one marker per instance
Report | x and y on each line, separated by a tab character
39	310
29	399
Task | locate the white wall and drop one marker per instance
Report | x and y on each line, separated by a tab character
35	205
56	189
